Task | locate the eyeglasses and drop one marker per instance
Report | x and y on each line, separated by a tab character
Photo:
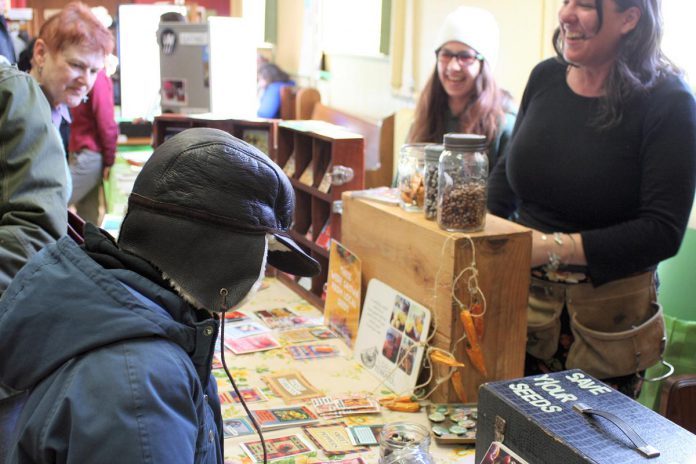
444	56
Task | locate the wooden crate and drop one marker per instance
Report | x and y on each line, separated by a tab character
409	253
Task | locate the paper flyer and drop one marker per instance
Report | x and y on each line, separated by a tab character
342	306
391	327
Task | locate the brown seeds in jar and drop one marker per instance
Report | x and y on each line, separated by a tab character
463	207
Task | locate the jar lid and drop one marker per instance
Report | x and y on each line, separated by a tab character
467	142
432	152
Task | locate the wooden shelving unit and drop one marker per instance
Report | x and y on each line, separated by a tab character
262	133
318	147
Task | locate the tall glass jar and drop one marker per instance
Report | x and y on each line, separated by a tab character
410	176
430	179
404	443
463	173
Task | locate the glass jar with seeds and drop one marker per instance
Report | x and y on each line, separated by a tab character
462	177
430	179
410	176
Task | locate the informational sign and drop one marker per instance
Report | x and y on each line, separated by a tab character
390	335
342	306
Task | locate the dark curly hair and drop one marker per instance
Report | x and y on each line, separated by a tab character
640	63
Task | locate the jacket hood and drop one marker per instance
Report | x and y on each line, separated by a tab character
63	304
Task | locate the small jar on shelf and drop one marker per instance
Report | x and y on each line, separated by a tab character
410	176
462	177
430	179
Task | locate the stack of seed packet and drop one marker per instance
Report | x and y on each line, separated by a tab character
329	407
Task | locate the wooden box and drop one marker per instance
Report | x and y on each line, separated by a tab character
417	258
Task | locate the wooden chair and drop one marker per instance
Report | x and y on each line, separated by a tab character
307	98
288	96
298	102
379	141
678	400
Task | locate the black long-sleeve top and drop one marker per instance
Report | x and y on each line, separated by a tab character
628	190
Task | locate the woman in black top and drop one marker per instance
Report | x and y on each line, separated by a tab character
602	167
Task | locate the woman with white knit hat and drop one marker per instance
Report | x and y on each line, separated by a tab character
461	94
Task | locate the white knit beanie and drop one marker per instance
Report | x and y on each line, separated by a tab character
474	27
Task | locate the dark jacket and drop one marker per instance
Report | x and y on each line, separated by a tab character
118	366
33	178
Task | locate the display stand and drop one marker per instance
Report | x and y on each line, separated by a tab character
417	258
307	152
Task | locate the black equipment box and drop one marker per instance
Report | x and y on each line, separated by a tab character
569	417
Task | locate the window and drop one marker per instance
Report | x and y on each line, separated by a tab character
354	27
679	35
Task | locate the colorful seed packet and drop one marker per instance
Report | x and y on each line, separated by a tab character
237	427
252	344
323	333
277	448
312	351
244	329
249	395
278	418
291	386
296	336
236	316
356	460
332	439
364	435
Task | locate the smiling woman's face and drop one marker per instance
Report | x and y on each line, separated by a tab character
585	41
66	75
457	76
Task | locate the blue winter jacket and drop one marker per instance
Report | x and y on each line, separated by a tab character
118	367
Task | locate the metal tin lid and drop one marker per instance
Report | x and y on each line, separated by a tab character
432	152
465	142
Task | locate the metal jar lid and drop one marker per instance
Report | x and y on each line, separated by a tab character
432	152
465	142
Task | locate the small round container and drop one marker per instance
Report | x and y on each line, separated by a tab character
462	178
430	179
404	443
410	176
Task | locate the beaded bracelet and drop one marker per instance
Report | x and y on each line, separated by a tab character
554	258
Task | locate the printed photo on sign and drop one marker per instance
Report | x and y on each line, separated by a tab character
407	353
414	324
400	313
392	330
174	92
392	342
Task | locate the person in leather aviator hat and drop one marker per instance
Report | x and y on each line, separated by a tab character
109	344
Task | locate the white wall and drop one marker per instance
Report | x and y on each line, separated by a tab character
361	85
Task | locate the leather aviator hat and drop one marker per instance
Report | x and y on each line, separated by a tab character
208	209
